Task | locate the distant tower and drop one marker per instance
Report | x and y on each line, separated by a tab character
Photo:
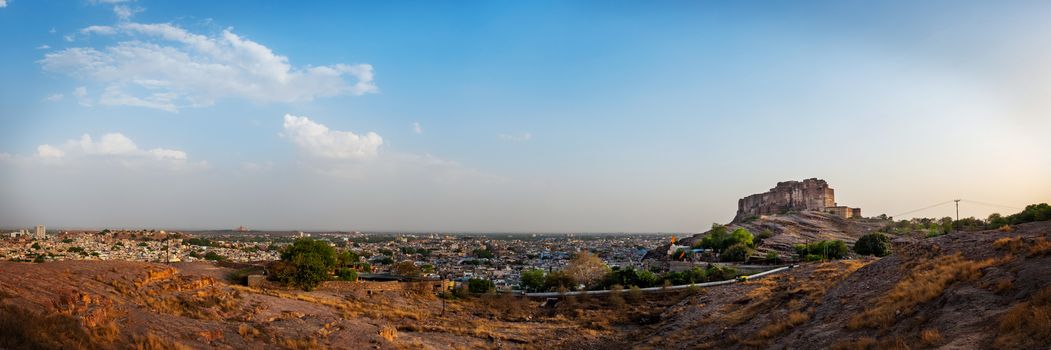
40	232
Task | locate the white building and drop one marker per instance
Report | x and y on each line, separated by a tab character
41	233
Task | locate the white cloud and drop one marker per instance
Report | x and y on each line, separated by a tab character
3	3
124	12
318	141
517	138
81	93
166	67
416	128
53	98
48	151
43	47
111	144
100	30
52	31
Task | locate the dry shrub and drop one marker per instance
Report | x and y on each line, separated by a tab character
862	343
1006	241
793	319
926	281
1039	246
151	341
246	330
930	336
300	343
23	329
1027	324
869	343
388	332
1018	245
1003	285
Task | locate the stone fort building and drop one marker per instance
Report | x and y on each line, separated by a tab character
810	194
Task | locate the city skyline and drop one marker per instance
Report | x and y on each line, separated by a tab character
511	117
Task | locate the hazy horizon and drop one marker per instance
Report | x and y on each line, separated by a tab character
513	117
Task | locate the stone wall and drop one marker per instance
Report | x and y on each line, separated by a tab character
809	194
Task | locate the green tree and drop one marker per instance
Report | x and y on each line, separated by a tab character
559	279
742	236
347	274
406	268
308	262
483	254
346	259
480	286
213	256
532	280
716	238
736	252
876	244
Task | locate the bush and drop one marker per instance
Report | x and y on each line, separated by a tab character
736	252
719	240
213	256
475	285
559	279
347	274
306	263
876	244
742	236
835	249
532	280
773	257
632	277
406	268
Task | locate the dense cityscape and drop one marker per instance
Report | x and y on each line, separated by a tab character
499	258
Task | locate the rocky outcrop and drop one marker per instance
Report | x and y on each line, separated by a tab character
787	196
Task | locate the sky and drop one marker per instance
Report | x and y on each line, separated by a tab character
500	116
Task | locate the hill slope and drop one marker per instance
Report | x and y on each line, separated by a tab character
968	290
792	228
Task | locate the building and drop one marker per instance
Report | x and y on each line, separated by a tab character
810	194
844	212
40	233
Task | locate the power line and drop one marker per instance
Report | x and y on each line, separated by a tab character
924	208
991	204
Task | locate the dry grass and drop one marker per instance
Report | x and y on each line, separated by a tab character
153	342
1027	324
926	281
1035	247
389	333
300	343
930	336
1003	285
793	319
869	343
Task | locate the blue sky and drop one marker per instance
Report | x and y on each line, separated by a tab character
511	116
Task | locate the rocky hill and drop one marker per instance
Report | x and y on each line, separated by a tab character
967	290
792	228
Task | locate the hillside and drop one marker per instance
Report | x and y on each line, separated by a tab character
793	228
968	290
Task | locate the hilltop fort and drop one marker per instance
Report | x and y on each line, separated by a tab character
810	194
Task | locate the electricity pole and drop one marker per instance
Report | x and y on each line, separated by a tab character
957	213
